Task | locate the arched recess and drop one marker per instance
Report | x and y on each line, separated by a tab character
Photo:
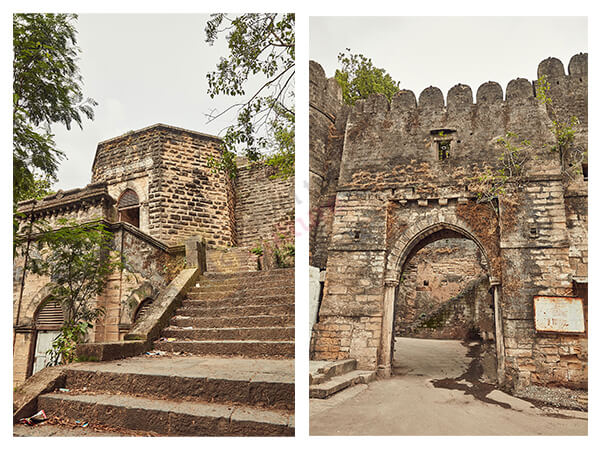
128	207
133	303
402	249
142	309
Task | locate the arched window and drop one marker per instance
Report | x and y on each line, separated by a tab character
129	208
142	309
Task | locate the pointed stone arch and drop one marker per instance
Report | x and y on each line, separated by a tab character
418	235
424	232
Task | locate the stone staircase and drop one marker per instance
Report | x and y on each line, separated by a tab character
249	314
227	370
330	377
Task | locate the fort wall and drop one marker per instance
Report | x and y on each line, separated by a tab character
397	191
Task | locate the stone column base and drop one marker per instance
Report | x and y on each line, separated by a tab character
384	371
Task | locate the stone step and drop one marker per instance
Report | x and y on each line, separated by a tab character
244	282
268	391
231	260
233	322
340	382
329	369
266	300
236	311
168	417
216	293
248	349
222	334
255	275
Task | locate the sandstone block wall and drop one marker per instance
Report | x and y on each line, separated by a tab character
264	205
168	168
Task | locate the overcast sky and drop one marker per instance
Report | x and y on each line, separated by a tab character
443	51
142	69
145	69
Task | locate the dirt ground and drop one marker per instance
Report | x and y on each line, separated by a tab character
436	391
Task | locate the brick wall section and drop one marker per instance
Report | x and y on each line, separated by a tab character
467	315
194	199
347	337
394	193
264	206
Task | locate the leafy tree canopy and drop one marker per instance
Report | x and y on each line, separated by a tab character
47	89
78	259
261	46
359	78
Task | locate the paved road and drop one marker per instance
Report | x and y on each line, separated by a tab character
410	405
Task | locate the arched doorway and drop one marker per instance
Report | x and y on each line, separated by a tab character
128	207
48	320
483	312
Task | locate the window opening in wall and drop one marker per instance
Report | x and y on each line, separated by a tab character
533	232
142	309
356	235
443	150
129	208
584	170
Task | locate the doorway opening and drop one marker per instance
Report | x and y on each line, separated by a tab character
49	318
443	303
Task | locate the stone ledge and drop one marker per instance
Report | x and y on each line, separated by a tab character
108	351
163	307
25	396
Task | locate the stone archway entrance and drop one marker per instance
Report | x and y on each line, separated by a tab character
407	247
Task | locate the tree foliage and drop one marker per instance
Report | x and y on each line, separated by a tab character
359	78
261	47
517	152
571	157
78	259
47	89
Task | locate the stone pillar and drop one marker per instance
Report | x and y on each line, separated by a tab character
384	368
195	253
495	284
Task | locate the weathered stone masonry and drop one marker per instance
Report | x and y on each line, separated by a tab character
394	195
178	197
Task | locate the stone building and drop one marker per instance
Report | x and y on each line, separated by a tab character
389	179
154	190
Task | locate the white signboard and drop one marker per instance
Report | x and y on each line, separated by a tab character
559	314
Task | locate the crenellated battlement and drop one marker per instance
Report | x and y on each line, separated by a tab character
381	135
460	96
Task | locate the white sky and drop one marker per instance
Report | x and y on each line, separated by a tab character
443	51
142	69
